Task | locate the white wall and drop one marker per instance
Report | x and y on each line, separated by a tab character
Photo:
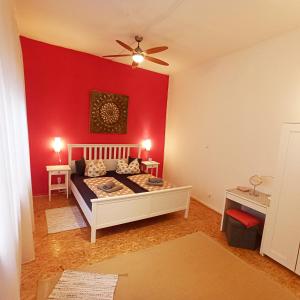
16	241
224	117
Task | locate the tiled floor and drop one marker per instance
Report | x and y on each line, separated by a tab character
71	249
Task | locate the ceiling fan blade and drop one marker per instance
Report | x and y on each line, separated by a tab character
124	45
156	50
134	65
117	55
156	60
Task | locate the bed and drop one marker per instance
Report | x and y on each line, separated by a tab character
105	212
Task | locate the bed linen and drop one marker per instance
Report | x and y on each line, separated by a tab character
142	179
93	184
87	194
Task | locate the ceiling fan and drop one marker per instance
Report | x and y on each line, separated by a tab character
138	55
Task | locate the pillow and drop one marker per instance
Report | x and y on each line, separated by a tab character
95	168
124	168
131	159
80	166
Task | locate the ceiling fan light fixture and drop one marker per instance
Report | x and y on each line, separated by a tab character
138	58
138	55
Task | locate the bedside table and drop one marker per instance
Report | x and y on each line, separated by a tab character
150	165
59	170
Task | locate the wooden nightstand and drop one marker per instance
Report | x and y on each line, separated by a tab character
150	165
59	170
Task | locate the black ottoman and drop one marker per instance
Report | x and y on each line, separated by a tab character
238	235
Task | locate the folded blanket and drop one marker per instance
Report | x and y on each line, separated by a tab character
113	189
108	185
155	180
155	183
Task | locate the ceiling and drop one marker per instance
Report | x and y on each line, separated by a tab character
194	30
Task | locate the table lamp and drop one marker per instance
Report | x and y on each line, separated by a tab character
147	146
57	146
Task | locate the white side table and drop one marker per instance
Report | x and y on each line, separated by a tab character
60	170
150	166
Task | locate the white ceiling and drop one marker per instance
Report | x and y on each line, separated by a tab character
194	30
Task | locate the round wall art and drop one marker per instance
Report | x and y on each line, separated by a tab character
108	112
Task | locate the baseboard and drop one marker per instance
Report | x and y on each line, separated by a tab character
206	204
47	195
38	196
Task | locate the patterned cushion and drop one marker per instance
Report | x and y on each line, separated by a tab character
130	159
124	168
95	168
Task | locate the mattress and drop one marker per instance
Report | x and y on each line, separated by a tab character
87	194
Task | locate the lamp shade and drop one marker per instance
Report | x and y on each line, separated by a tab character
147	144
57	144
138	58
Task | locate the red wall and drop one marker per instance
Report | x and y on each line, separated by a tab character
58	82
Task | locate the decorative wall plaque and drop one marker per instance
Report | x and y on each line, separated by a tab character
108	112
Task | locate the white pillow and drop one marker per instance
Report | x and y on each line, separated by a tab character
124	168
95	168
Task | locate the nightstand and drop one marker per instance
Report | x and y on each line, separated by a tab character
150	166
59	170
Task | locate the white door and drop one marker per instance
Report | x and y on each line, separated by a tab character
298	265
282	228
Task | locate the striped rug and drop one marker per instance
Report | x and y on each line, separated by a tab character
84	285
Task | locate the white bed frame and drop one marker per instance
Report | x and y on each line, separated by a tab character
117	210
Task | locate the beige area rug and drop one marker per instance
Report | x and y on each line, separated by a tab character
189	268
64	218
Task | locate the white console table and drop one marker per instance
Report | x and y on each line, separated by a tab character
237	199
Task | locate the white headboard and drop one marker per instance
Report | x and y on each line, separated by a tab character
110	153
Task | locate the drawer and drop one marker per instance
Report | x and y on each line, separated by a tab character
58	172
245	202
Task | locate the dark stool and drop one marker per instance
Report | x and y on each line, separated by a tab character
242	229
